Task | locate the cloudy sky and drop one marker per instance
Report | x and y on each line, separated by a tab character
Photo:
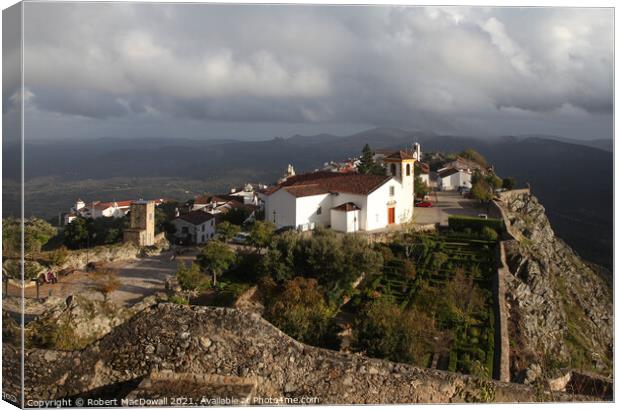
220	71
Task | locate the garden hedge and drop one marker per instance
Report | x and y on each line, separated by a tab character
462	222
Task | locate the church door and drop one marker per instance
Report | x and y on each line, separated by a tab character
391	216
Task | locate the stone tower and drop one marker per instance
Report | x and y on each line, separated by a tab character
141	229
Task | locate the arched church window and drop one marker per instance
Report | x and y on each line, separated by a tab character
408	169
393	169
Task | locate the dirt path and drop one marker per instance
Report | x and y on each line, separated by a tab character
139	278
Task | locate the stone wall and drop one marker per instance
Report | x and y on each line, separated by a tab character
226	342
501	314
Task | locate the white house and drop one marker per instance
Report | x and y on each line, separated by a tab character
98	209
449	179
346	202
196	227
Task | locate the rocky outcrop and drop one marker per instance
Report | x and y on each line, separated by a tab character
77	321
78	259
219	344
561	312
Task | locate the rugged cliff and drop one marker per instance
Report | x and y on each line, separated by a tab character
560	308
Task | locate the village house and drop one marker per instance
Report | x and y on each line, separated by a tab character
195	227
450	179
346	202
98	209
425	174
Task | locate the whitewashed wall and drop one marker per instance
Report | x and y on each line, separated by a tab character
307	207
283	204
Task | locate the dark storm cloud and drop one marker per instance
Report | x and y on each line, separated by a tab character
461	70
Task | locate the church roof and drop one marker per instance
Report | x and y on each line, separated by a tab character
400	155
323	182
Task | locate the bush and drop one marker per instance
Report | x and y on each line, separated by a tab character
178	300
298	308
489	233
452	362
387	331
191	278
462	222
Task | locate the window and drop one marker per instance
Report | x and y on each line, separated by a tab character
211	222
203	228
318	211
393	169
392	190
408	169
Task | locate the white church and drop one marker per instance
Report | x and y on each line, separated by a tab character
346	202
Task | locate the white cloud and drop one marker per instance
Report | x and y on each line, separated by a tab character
403	66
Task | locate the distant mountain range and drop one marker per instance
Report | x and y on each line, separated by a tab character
572	178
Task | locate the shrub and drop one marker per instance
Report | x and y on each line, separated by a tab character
406	335
106	281
298	308
191	278
453	361
489	233
178	300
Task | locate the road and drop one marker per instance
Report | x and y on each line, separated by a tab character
444	205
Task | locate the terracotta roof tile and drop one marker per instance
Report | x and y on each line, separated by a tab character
196	217
322	182
448	172
400	155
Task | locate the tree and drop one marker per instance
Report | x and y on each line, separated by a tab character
191	278
76	233
164	213
226	231
37	233
106	281
261	233
236	216
215	258
367	164
475	156
298	308
509	183
494	181
420	188
464	298
385	331
481	191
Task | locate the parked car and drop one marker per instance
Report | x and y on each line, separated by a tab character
241	238
424	204
483	216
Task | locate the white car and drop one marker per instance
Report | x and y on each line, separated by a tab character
241	238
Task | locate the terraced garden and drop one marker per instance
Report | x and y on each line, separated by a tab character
433	261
